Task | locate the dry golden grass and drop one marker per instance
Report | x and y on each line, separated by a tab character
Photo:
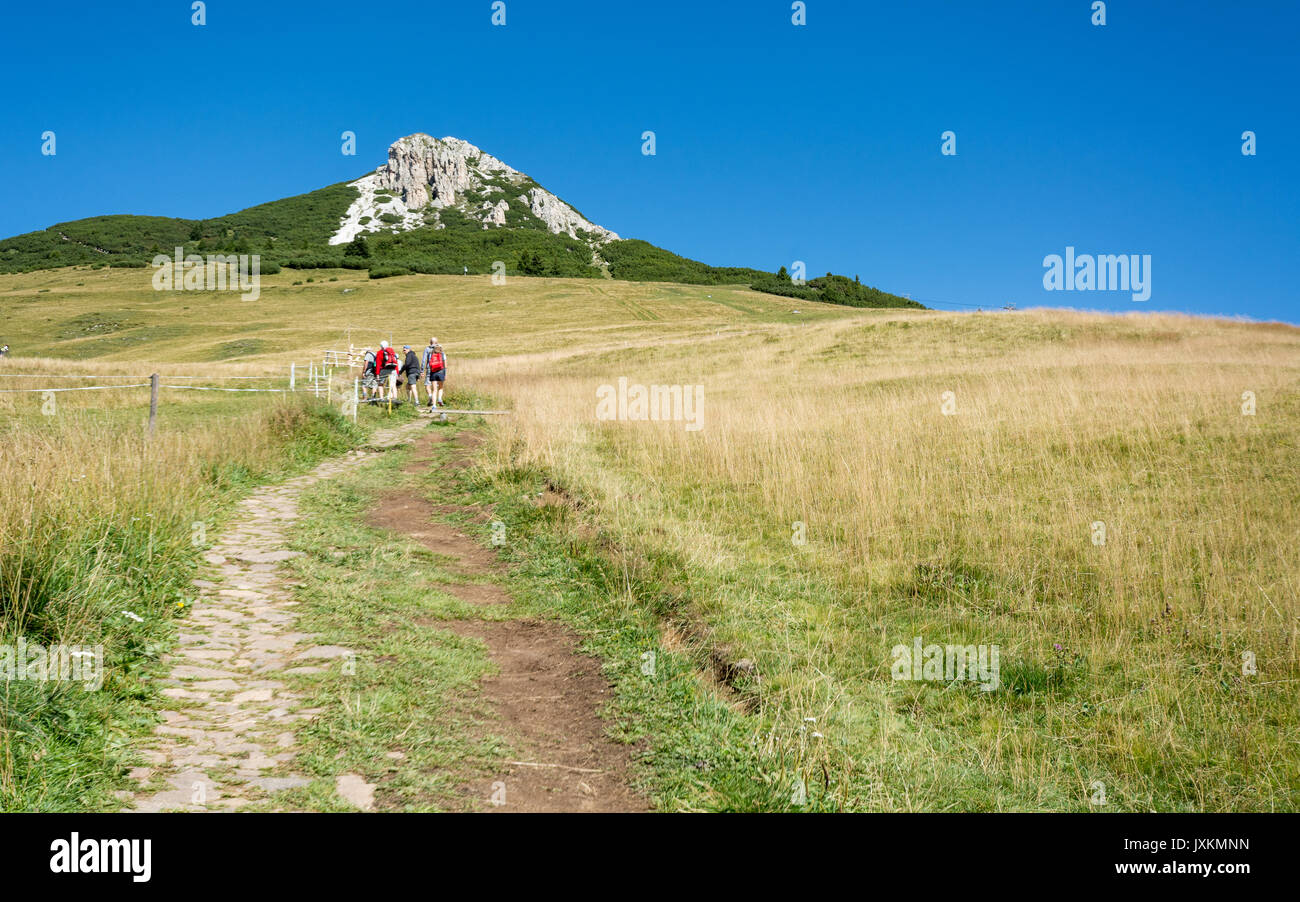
976	527
1122	662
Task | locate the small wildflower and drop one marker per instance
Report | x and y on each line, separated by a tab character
136	617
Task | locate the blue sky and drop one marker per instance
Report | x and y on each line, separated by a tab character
775	143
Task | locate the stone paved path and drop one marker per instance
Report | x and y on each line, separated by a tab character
229	738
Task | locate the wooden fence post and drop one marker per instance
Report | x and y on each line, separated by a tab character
153	403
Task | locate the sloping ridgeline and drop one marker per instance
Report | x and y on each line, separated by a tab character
640	261
278	230
295	232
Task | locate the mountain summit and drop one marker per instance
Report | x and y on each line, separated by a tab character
425	176
437	206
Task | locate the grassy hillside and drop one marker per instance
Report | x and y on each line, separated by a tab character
294	232
962	518
279	231
114	317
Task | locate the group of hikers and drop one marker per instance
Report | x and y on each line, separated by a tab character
383	372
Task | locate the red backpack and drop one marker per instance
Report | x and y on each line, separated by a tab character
435	361
387	358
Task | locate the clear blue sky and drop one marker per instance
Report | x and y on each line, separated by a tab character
775	143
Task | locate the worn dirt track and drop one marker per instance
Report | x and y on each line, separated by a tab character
229	739
547	695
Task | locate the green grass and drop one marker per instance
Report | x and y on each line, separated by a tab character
972	528
701	751
278	230
132	550
414	688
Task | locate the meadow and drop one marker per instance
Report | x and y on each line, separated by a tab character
1110	500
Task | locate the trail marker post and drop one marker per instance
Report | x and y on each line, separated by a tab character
153	403
291	377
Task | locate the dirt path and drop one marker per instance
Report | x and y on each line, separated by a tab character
547	695
229	739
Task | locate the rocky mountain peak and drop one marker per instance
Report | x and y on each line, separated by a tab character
425	175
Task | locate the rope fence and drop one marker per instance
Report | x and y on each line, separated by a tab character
62	376
350	400
214	388
10	391
110	376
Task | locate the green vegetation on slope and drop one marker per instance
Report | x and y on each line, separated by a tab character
832	289
278	231
527	249
640	261
295	232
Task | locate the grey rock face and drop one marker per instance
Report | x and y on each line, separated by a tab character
425	174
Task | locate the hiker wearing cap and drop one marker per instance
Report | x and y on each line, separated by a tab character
411	372
387	370
435	364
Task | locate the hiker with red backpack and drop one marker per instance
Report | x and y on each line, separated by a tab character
387	366
435	365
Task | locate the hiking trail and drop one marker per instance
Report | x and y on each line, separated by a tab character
547	695
228	740
233	720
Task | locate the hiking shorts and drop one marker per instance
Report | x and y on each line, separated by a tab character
438	376
369	380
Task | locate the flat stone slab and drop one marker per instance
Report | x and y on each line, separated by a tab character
254	695
231	727
356	791
325	651
267	557
276	784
